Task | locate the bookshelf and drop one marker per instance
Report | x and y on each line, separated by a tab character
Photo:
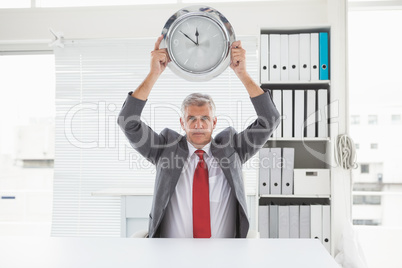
312	151
329	15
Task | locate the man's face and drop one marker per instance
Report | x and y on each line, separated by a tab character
198	124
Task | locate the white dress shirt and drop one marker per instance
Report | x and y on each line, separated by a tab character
178	219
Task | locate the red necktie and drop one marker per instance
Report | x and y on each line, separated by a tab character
201	214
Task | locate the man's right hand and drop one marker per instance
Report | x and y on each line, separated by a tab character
159	58
159	61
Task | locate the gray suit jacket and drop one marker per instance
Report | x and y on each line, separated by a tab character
168	151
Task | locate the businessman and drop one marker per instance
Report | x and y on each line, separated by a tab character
199	190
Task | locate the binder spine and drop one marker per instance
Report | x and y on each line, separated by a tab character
284	57
324	64
294	57
287	109
305	57
274	57
277	99
264	61
264	171
314	57
322	113
276	171
288	155
263	221
299	116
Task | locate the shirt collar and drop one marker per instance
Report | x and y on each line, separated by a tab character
206	148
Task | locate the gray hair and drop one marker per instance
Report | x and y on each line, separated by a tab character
198	99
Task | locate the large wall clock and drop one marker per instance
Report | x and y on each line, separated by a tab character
198	40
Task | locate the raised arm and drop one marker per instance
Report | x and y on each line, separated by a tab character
250	140
159	61
141	137
238	64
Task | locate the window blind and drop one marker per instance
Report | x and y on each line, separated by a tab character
93	78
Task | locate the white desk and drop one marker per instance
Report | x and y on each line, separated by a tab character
65	252
136	205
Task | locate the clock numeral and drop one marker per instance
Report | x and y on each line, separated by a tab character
176	42
196	66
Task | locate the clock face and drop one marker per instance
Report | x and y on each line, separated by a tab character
197	44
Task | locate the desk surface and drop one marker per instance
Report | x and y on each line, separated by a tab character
129	252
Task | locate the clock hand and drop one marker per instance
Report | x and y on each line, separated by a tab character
196	34
189	38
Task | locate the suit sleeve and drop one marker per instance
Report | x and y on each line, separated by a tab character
250	140
141	137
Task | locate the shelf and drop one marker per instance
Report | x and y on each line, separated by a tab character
308	153
288	200
297	85
300	139
295	29
319	82
295	196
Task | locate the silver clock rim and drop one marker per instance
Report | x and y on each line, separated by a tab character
221	21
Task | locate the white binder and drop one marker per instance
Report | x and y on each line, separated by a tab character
293	57
311	119
284	57
264	171
283	216
277	99
315	70
299	114
264	63
326	227
287	110
305	57
276	171
322	113
273	221
288	158
305	222
294	225
316	221
263	221
274	57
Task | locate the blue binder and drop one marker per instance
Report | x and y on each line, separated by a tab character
324	64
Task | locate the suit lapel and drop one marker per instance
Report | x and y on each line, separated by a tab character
221	157
179	162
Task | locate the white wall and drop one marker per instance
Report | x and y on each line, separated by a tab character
20	25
